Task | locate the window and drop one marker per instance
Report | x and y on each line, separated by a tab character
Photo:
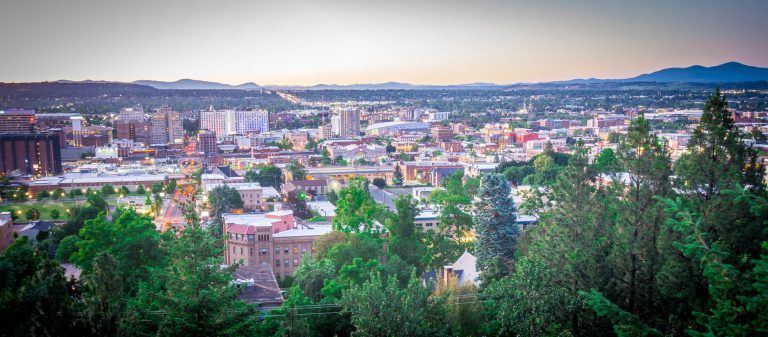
241	250
263	251
429	224
295	262
286	264
234	249
251	251
303	249
277	263
295	249
277	250
285	249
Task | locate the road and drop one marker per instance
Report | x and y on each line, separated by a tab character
171	215
382	196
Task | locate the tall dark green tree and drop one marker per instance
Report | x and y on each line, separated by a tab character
397	177
717	160
495	221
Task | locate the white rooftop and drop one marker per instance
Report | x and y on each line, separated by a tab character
324	208
315	230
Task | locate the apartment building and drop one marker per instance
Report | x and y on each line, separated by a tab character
270	239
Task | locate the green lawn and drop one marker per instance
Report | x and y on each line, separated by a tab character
44	207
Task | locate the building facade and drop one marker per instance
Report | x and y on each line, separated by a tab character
206	142
166	127
346	123
17	121
33	154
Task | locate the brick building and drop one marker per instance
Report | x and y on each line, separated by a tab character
34	154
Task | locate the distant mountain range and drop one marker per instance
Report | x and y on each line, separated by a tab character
731	72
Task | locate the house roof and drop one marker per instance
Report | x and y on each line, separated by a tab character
227	171
257	284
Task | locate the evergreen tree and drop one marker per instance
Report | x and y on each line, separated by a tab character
717	160
397	177
495	221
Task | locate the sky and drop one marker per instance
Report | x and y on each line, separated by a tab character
304	42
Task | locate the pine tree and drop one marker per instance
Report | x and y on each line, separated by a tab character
397	177
717	160
495	221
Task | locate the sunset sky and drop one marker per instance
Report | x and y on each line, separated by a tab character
306	42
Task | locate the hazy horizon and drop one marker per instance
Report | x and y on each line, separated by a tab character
346	42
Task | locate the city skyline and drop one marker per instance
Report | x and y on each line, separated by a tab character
340	42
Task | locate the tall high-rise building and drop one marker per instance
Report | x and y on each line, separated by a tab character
214	121
17	121
229	122
133	114
37	154
346	123
166	127
251	121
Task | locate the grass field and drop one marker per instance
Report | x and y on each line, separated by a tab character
45	207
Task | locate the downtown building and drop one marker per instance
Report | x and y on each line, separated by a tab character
166	127
230	122
37	154
346	123
17	121
270	240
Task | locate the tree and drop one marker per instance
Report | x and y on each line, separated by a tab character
34	293
739	292
397	177
74	193
107	190
404	239
298	172
495	221
97	201
355	209
67	247
124	190
170	187
379	307
266	176
223	199
716	160
606	161
332	196
311	276
32	214
58	193
311	144
55	213
140	190
297	202
379	182
131	239
192	295
42	195
157	187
